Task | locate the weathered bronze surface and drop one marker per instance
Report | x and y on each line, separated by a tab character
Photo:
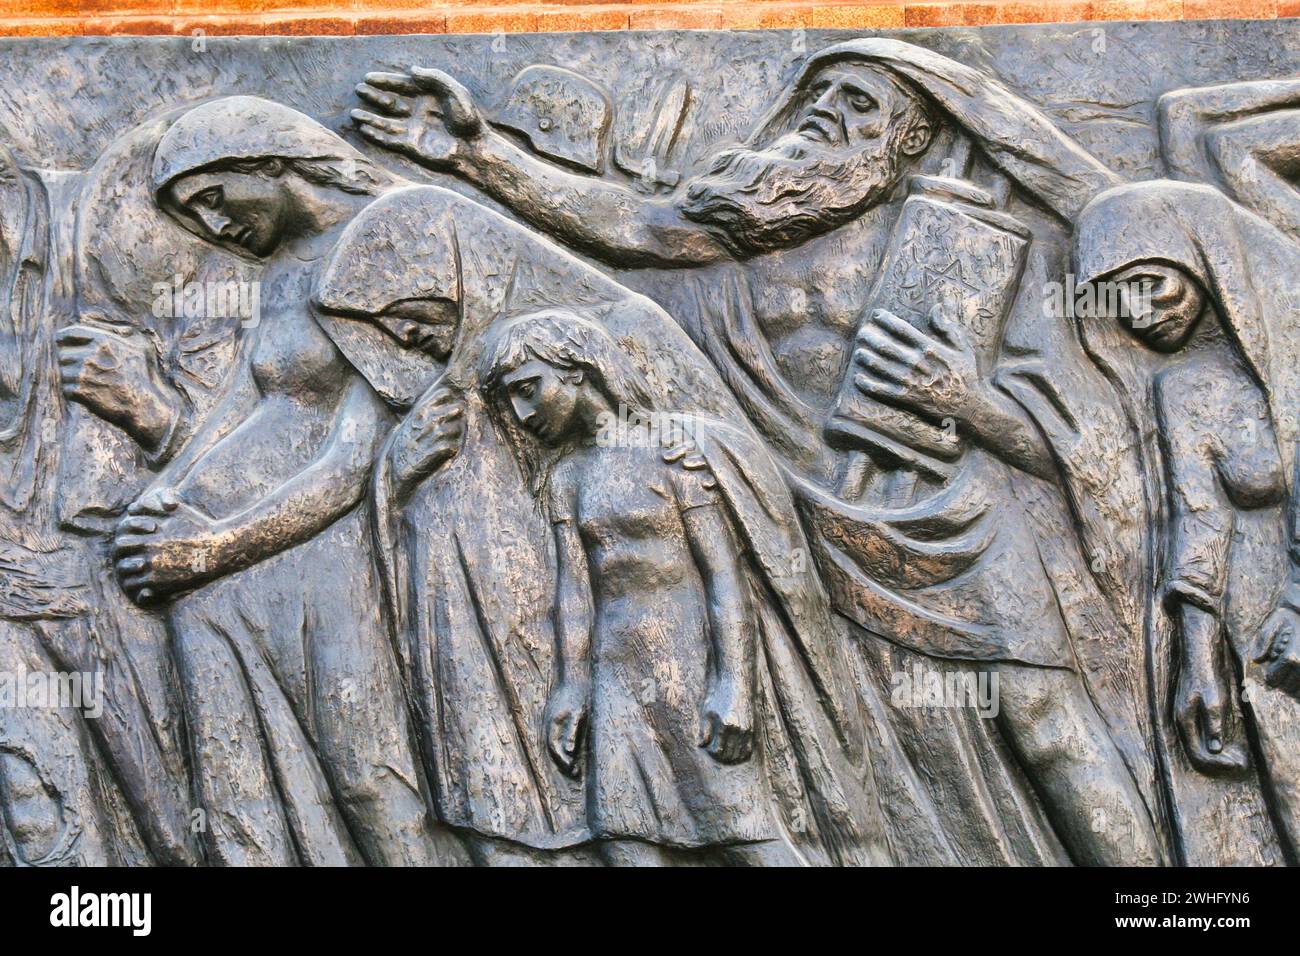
767	448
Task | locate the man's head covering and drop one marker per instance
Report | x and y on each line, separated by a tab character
563	115
242	128
1016	135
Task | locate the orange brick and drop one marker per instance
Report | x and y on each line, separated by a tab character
40	28
1072	11
676	18
94	26
305	26
412	22
1288	8
32	10
571	20
493	21
934	15
979	14
221	26
767	16
125	8
314	7
215	7
142	26
851	17
1136	10
1229	9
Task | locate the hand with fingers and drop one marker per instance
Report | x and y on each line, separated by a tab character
936	375
163	546
427	438
114	371
566	724
727	722
1203	708
686	453
1277	649
425	115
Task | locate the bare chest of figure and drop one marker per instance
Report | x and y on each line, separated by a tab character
631	527
299	377
808	302
292	356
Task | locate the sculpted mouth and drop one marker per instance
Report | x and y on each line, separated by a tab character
814	128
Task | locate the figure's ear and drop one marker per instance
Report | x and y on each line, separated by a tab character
917	139
271	168
573	376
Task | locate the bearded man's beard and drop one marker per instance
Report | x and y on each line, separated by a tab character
760	200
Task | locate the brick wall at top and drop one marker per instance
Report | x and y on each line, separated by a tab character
306	17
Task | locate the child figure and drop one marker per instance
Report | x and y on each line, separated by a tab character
664	655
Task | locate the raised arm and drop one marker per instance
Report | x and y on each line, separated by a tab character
1244	135
1259	159
432	119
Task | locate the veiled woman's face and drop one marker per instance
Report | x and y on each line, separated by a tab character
545	399
426	324
1161	304
249	210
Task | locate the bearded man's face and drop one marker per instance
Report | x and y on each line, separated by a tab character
844	154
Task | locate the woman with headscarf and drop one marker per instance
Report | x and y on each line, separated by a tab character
254	531
1186	491
466	553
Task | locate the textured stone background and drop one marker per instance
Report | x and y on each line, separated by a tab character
342	17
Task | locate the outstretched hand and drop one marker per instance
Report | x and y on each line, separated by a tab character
424	114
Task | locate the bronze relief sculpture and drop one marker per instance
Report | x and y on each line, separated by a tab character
685	449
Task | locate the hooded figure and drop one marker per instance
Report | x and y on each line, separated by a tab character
58	802
1180	479
1015	137
466	558
300	737
203	137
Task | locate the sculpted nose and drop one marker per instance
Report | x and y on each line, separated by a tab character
826	105
218	224
523	412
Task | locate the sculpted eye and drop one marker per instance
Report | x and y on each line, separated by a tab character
211	198
861	102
